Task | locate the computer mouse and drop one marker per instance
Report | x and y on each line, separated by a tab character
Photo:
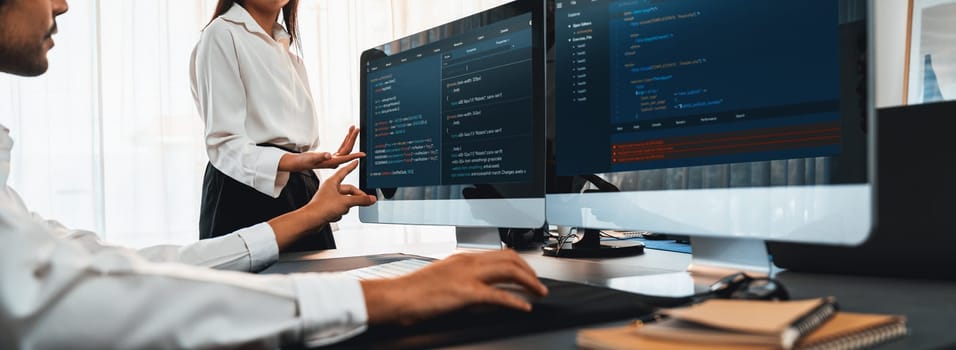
518	291
512	288
761	289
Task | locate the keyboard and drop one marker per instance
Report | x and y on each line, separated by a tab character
388	270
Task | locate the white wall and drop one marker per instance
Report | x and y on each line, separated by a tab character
891	18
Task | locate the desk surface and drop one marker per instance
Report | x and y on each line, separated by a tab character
930	306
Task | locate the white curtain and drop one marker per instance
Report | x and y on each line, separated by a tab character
109	139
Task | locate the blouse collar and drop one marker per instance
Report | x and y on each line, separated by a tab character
238	15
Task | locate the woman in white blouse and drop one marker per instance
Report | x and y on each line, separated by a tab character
260	121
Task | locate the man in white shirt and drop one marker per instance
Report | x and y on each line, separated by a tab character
62	288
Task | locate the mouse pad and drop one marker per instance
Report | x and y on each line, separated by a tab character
567	305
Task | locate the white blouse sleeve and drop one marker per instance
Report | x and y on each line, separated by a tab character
220	96
55	293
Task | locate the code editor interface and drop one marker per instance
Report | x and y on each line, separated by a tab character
457	111
650	84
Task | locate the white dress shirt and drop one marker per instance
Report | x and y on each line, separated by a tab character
64	289
251	89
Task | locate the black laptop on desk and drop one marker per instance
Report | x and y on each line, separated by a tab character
915	233
567	305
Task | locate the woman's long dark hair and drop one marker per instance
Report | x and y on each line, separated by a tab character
289	15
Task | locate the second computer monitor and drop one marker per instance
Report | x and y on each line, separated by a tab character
453	122
735	119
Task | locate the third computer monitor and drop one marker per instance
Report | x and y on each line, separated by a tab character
453	122
735	118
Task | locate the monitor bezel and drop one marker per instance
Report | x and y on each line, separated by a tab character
828	214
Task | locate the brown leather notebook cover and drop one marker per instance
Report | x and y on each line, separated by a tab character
843	331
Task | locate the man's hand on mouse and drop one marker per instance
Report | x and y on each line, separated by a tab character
451	284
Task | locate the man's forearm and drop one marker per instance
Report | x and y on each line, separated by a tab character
292	225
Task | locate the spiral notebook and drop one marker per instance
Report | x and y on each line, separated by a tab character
758	322
838	330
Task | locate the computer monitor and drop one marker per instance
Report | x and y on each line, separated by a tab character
452	121
734	122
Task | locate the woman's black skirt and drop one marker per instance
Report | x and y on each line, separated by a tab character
229	205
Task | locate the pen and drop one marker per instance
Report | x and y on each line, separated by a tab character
651	318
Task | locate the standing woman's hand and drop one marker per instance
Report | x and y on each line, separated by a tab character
344	154
295	162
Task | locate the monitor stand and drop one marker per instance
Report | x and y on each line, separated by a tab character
712	258
717	256
481	238
589	246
